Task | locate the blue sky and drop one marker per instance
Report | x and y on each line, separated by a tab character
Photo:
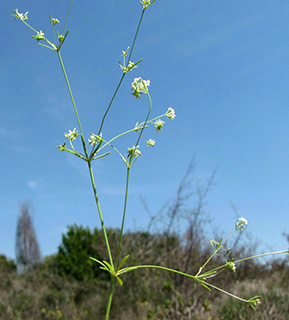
222	65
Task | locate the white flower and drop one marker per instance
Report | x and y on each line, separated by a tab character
151	142
54	21
94	139
133	152
39	36
130	66
231	265
20	16
241	224
139	86
124	53
171	113
158	125
71	135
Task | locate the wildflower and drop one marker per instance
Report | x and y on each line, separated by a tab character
231	265
20	16
94	139
151	142
146	3
54	21
62	147
158	125
39	36
215	244
139	86
124	53
130	65
171	113
228	252
71	135
61	38
254	301
133	152
241	224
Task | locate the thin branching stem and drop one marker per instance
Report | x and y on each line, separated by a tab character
146	120
73	103
123	216
123	75
88	161
135	36
109	298
100	213
110	103
67	16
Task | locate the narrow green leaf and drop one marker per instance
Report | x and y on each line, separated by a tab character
119	281
202	283
122	262
207	274
124	270
105	268
103	155
108	265
98	261
43	45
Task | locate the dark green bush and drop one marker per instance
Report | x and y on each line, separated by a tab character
73	258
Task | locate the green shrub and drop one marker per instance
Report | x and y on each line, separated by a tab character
73	258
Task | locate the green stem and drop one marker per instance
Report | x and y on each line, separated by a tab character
100	213
108	143
135	36
214	253
122	77
88	161
146	120
249	258
262	255
73	103
123	217
67	16
29	26
226	292
111	101
109	298
156	267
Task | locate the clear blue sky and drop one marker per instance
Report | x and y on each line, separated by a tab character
223	66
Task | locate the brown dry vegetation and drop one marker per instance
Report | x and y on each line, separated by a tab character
44	292
41	293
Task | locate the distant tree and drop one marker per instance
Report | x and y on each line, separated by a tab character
27	248
73	258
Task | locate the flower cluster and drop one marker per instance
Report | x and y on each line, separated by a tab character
158	125
71	135
94	139
39	36
241	224
151	142
231	265
54	21
130	65
21	16
254	301
171	113
139	86
146	3
215	244
133	152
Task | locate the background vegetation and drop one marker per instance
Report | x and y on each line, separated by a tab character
68	285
